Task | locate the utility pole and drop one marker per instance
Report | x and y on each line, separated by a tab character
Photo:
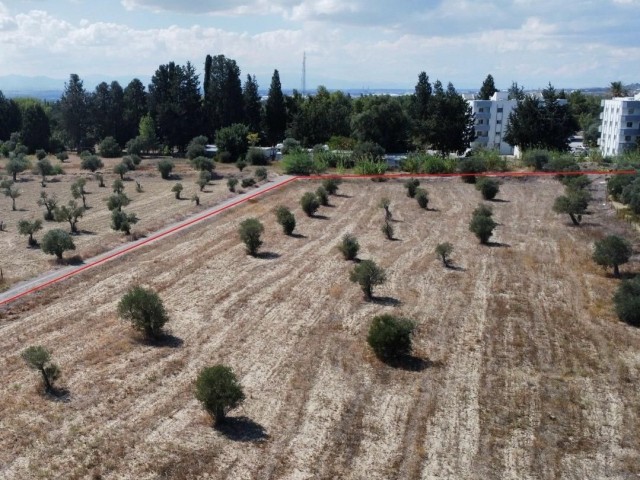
304	73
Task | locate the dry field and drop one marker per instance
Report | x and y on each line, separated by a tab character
526	373
156	207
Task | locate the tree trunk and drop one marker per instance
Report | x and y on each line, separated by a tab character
47	385
15	176
616	271
574	220
13	204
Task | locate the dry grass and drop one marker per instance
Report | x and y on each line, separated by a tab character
527	373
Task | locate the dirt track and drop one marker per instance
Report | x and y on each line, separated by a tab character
527	372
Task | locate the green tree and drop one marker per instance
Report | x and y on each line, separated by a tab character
422	197
383	120
322	196
233	139
275	111
627	301
69	213
122	222
203	179
56	242
386	204
390	337
121	169
49	203
420	109
231	183
367	274
91	163
482	225
349	246
117	201
165	167
145	310
488	187
197	147
444	250
250	231
612	251
16	164
147	134
26	227
309	203
451	123
286	219
11	191
516	92
331	185
219	391
411	184
35	131
177	189
135	107
573	203
109	148
488	88
618	90
223	100
43	168
10	117
38	358
252	104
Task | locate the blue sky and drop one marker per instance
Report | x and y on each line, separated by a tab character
349	43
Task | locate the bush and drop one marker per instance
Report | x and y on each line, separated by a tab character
260	174
331	185
488	187
165	167
469	166
121	169
62	156
117	201
390	337
91	163
290	145
135	146
323	196
219	391
368	275
387	229
369	165
443	250
537	159
286	219
196	147
117	186
483	227
145	310
247	182
26	227
309	204
298	163
385	203
627	301
255	156
109	148
612	251
349	247
38	358
483	210
122	222
233	140
203	164
369	150
56	242
41	154
411	185
422	197
617	183
203	179
231	183
241	165
177	189
250	231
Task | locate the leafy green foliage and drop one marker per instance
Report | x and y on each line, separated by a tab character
411	185
309	203
145	310
286	219
390	337
177	189
121	169
322	196
219	391
444	250
17	164
488	187
27	227
349	246
203	179
627	301
367	274
260	174
617	183
422	197
612	251
482	224
233	139
250	231
231	183
331	185
122	222
203	164
300	163
255	156
196	147
469	166
109	148
241	165
56	242
38	358
574	203
247	182
165	167
71	212
117	201
91	163
49	203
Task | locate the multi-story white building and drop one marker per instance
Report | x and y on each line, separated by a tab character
620	125
491	120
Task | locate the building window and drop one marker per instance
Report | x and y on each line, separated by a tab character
627	138
631	110
499	109
498	122
481	122
629	124
481	110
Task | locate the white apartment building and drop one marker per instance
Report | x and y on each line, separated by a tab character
491	120
620	125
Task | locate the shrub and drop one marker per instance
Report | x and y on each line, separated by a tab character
290	145
349	246
56	242
109	148
41	154
233	139
537	159
250	231
117	186
26	227
286	219
247	182
368	275
145	310
127	161
43	168
298	163
483	227
231	183
38	358
177	189
62	156
331	185
219	391
260	174
225	157
136	146
616	184
411	185
368	165
255	156
627	301
387	229
422	197
469	166
100	178
323	196
309	203
117	201
196	147
165	167
241	165
204	164
390	337
122	222
483	210
385	203
91	163
195	198
488	187
443	250
368	150
612	251
121	169
203	179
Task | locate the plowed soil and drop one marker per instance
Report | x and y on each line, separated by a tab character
520	370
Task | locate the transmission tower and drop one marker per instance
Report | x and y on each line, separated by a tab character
304	73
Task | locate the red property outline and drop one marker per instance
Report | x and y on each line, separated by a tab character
200	218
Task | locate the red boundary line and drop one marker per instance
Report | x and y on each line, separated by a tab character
293	179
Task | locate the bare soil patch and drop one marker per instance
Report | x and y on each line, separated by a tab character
528	373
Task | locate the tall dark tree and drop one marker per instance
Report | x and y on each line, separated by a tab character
617	89
223	99
275	111
135	107
252	104
174	104
516	92
381	119
450	121
74	105
10	117
100	111
116	113
488	88
420	101
35	128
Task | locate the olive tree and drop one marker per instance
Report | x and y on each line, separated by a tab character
488	187
411	185
482	224
71	212
38	358
117	201
43	168
145	310
443	250
219	391
203	179
390	337
91	163
250	231
349	246
122	222
26	227
177	189
422	197
385	203
322	196
165	167
331	185
367	274
285	218
627	301
574	204
78	191
612	251
121	169
309	203
56	242
231	184
49	202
